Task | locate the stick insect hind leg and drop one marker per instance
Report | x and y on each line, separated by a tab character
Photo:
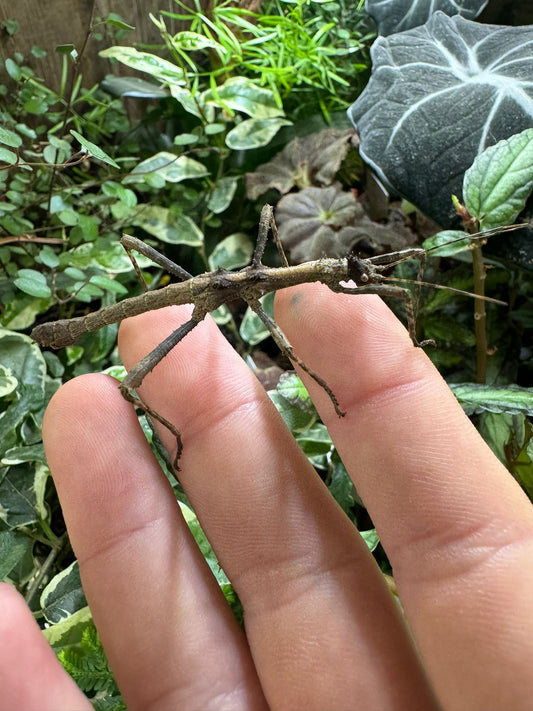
285	347
137	374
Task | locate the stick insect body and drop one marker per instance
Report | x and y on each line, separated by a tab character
210	290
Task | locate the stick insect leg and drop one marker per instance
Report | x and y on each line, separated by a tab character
132	243
286	348
266	223
396	292
137	374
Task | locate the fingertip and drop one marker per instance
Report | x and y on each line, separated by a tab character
30	675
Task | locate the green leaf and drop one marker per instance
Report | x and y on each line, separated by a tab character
94	150
296	419
446	243
13	69
222	195
105	282
202	542
66	49
316	444
341	486
33	283
68	632
510	399
294	391
7	157
145	62
232	252
63	595
10	138
8	382
371	538
252	329
162	223
254	133
10	26
241	94
170	167
13	547
499	182
20	356
116	20
18	495
193	42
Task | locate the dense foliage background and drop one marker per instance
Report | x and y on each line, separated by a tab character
181	147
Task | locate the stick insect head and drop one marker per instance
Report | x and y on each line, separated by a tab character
362	271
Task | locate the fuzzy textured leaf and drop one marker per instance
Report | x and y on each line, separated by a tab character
312	160
318	222
497	185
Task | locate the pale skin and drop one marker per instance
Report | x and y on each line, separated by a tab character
322	631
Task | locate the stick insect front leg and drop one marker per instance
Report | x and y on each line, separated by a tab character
137	374
285	347
396	292
132	243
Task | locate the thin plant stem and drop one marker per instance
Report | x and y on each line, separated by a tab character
480	314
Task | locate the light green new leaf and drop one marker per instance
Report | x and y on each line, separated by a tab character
94	150
499	182
162	223
371	538
254	133
170	167
510	399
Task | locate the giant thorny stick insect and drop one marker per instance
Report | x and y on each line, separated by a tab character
210	290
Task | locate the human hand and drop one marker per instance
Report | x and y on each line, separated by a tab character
322	630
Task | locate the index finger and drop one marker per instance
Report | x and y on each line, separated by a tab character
456	526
